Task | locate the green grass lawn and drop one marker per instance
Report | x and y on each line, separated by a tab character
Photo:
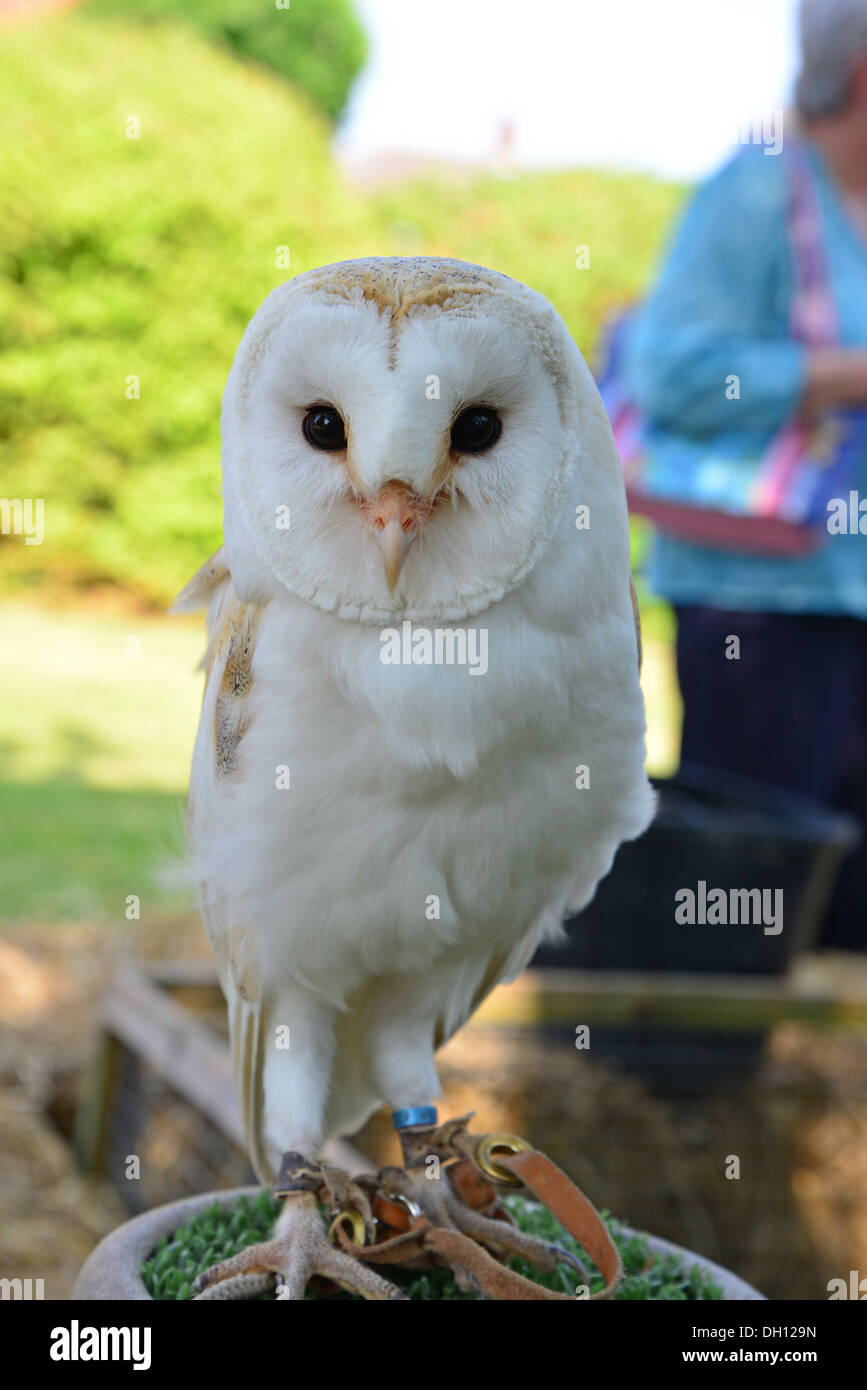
96	749
96	746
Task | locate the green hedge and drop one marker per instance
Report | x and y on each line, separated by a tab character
146	258
319	45
140	257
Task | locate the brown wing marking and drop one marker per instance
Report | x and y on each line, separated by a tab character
231	652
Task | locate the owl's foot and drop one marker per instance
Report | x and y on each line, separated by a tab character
465	1195
473	1208
298	1251
503	1238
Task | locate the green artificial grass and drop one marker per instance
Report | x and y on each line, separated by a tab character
217	1233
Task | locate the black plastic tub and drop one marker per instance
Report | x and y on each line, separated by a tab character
727	833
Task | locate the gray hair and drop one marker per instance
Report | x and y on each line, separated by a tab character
833	38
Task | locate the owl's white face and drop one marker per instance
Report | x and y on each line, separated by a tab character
407	414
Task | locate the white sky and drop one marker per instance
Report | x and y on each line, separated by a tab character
636	84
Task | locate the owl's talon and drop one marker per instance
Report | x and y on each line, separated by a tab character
238	1286
502	1238
445	1207
297	1252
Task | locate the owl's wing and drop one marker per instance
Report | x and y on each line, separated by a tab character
504	965
232	629
471	987
203	585
637	615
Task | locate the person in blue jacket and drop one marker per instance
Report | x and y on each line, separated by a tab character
792	710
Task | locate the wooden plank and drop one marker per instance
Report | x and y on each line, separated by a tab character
562	997
183	974
92	1113
190	1058
185	1052
825	991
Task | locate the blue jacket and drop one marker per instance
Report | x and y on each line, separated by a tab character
721	307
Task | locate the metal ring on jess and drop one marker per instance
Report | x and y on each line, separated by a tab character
485	1157
356	1222
400	1199
415	1115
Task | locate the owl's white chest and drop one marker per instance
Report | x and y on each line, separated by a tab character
384	810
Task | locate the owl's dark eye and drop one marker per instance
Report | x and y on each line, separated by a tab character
324	429
476	429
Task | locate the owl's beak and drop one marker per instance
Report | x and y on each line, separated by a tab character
396	518
394	543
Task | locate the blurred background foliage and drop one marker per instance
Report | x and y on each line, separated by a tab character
321	52
141	257
146	258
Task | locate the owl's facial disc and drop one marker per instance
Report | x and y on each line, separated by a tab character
398	437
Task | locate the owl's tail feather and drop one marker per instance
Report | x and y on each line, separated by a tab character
248	1028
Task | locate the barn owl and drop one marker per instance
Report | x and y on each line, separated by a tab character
416	467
